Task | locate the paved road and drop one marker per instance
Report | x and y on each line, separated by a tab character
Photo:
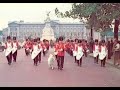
24	73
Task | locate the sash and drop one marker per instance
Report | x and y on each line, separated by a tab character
102	55
40	50
34	54
14	50
79	55
95	53
8	51
74	53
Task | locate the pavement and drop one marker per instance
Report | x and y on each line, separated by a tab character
108	61
24	74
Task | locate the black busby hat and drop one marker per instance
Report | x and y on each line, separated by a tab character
8	37
38	39
76	40
60	38
72	41
103	41
35	40
96	40
79	41
14	38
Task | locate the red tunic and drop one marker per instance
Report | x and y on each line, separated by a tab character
61	49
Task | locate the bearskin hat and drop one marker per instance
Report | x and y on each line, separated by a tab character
14	38
60	38
8	37
79	41
103	41
96	40
38	39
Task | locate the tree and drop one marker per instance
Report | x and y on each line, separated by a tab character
98	15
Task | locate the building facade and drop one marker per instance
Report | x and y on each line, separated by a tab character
23	29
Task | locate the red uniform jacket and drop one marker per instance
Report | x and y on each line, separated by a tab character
28	45
43	45
75	47
61	49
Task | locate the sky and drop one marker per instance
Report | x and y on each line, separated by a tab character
31	12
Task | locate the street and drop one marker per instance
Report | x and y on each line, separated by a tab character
24	74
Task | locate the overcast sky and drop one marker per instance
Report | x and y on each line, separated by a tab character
31	12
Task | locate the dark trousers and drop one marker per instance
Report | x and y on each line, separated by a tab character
75	58
85	53
103	62
14	56
26	52
79	62
109	54
60	61
96	59
56	57
9	58
39	57
36	60
44	53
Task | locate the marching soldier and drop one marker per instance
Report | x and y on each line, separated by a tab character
75	49
96	51
85	45
44	47
40	49
61	52
35	52
27	47
8	50
79	55
103	53
15	47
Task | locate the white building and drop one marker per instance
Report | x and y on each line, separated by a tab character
23	29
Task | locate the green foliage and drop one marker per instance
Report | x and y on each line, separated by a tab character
98	15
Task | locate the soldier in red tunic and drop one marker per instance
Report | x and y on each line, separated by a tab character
27	47
44	47
15	47
79	53
40	49
8	50
75	48
61	52
85	46
96	51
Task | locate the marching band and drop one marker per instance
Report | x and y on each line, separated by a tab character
76	48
